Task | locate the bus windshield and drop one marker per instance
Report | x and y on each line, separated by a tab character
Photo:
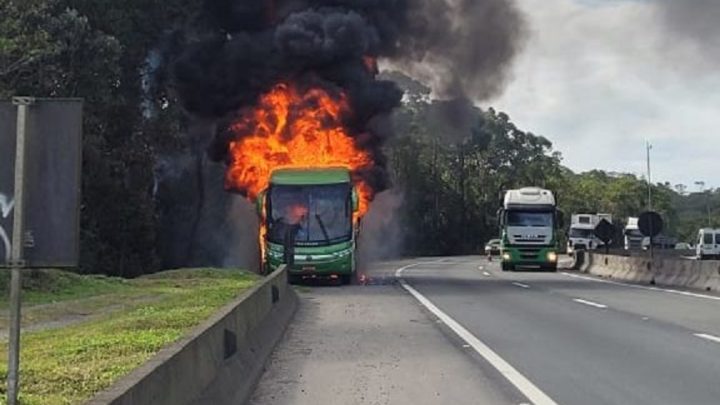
316	215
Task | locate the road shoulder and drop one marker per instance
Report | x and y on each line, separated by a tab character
373	345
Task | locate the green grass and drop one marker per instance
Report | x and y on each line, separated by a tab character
49	286
69	364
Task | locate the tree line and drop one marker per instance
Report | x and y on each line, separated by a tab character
145	203
454	167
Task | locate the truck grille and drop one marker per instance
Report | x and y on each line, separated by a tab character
529	253
529	239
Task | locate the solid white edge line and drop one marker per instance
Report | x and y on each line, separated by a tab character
590	303
521	285
642	287
707	337
525	386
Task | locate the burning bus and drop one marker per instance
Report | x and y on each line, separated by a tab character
294	156
310	221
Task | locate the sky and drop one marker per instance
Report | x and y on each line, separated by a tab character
602	78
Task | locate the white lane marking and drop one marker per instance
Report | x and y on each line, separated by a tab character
481	267
707	337
525	386
642	287
590	303
486	274
521	285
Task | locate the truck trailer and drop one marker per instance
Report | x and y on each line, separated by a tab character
310	224
529	223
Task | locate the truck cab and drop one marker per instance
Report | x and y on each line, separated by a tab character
529	221
309	219
581	235
634	239
708	244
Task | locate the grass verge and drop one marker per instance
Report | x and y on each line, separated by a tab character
68	365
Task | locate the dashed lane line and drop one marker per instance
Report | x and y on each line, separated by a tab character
530	390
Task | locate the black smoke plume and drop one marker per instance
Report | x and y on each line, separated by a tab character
248	46
696	21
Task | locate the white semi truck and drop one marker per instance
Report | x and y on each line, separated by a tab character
582	232
633	237
528	221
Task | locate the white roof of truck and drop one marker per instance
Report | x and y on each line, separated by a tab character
529	196
710	230
632	223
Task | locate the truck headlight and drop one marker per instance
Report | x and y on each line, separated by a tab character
552	256
506	256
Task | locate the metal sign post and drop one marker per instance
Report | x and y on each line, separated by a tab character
40	164
16	253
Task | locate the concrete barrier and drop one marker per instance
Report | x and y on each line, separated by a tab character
219	362
665	271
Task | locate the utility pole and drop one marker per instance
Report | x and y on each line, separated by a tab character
649	201
701	185
649	177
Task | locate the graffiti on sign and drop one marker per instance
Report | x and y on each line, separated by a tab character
6	206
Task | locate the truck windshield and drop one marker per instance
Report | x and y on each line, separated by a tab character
535	219
316	215
581	233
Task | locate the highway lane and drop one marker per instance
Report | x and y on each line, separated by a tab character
374	345
579	340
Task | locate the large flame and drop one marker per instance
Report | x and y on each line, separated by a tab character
290	128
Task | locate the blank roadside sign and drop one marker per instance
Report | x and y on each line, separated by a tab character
52	181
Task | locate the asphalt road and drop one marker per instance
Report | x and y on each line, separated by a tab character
458	330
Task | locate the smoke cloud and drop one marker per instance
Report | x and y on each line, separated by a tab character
463	47
696	22
382	235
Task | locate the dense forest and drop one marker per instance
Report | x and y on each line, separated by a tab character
149	193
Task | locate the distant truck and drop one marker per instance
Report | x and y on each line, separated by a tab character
581	235
529	223
708	244
309	217
633	237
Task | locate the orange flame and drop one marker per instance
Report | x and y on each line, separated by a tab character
290	128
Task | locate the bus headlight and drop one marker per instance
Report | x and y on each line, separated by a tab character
552	256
